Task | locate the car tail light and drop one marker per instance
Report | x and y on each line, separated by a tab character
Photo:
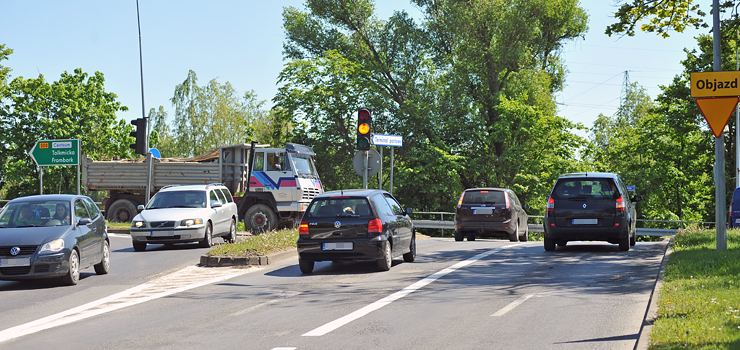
459	202
375	226
550	204
303	228
508	204
620	203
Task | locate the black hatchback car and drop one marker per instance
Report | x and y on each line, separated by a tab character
495	212
52	236
355	225
590	207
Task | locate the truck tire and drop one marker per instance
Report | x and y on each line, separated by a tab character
122	210
260	218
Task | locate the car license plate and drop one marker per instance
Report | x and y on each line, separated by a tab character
338	246
15	262
484	211
162	233
737	221
585	221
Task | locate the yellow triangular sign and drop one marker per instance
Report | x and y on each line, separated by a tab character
717	111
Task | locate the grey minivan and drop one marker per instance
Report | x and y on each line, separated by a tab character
590	207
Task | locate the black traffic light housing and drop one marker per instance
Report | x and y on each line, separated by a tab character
364	128
141	144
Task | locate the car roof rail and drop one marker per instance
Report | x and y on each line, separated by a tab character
168	186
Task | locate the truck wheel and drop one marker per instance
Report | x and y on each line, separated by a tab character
260	218
122	210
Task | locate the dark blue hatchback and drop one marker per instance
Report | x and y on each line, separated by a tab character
355	225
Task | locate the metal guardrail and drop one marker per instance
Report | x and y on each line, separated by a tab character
537	227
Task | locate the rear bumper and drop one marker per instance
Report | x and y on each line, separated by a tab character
485	228
586	233
312	250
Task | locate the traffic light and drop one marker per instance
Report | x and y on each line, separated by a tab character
141	145
364	126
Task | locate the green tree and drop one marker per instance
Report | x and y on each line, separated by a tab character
75	106
471	87
210	116
662	16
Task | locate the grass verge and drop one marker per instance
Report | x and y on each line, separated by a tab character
118	225
265	243
699	303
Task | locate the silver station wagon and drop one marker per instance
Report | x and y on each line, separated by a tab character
182	214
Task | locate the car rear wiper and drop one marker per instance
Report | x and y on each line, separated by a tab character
582	197
348	216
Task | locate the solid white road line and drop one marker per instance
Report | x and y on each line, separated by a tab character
177	282
397	295
513	304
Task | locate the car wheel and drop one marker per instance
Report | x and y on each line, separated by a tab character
525	236
549	244
458	236
207	240
103	267
232	232
411	255
624	243
305	265
139	247
471	237
514	237
385	262
73	275
260	218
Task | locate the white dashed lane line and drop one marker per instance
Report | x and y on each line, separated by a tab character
180	281
397	295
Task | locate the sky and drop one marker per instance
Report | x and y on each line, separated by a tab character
241	42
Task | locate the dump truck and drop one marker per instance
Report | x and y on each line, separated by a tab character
271	186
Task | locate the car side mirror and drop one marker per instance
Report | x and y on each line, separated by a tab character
216	204
84	221
636	198
409	211
140	208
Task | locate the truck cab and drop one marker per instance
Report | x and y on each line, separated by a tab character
283	179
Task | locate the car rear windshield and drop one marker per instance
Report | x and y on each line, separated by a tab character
585	189
339	207
484	197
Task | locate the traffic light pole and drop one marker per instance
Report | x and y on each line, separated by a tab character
364	171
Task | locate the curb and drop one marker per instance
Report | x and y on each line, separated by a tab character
651	313
258	260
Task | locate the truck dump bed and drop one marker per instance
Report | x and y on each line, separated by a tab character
227	165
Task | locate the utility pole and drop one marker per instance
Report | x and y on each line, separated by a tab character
719	154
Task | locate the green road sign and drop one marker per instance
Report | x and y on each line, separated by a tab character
56	152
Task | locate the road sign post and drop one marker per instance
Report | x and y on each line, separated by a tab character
57	153
387	140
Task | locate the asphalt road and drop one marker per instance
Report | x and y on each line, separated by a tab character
487	294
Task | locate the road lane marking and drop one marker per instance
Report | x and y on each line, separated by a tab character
512	305
398	295
177	282
281	297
